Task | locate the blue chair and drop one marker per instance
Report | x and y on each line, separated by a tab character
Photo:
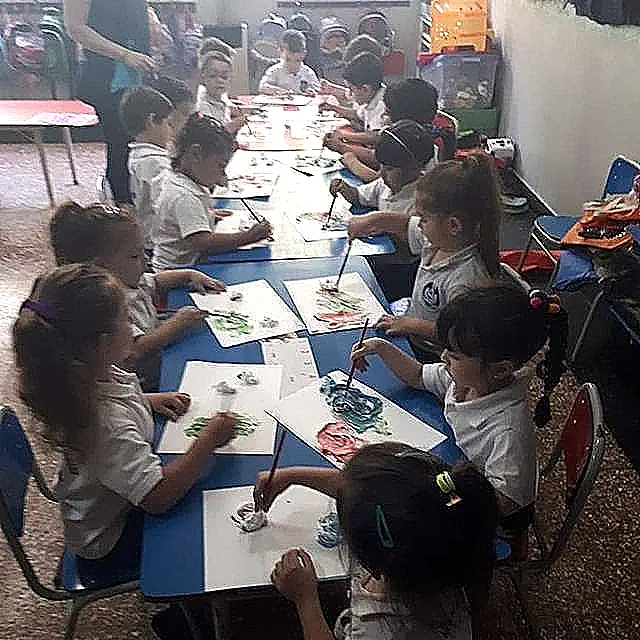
17	465
547	231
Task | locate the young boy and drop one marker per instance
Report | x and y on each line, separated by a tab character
290	75
213	99
145	114
180	96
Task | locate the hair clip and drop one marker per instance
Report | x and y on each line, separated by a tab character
550	303
44	310
382	527
446	485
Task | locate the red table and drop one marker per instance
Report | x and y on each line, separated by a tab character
31	117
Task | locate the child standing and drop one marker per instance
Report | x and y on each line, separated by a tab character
215	77
455	232
290	75
110	237
67	338
488	335
421	537
144	113
184	233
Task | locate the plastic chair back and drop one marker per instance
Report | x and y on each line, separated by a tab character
620	177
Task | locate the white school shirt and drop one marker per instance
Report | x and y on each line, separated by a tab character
495	432
183	209
278	76
147	164
377	194
373	616
142	313
119	472
372	113
220	109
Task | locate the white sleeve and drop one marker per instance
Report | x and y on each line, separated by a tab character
436	379
270	77
369	193
416	239
312	79
191	215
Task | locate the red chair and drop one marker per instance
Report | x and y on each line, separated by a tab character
581	444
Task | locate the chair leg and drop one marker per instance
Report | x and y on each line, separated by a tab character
585	327
68	143
74	608
37	138
520	580
525	253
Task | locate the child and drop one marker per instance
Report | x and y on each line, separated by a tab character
180	96
67	338
455	231
333	41
290	75
420	535
215	76
488	335
110	237
403	151
144	113
184	232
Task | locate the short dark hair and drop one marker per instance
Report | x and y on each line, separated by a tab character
213	56
176	90
294	41
360	44
411	99
215	44
404	145
206	132
364	69
141	103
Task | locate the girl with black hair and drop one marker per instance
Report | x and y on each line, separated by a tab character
489	334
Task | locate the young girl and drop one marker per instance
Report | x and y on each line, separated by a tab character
421	537
403	151
184	233
67	337
488	335
456	233
111	238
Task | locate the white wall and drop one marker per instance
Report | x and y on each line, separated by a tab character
404	20
571	97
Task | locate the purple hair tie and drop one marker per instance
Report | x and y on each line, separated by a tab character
44	310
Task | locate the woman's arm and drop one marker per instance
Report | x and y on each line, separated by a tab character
76	18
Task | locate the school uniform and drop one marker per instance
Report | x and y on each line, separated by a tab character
183	209
372	113
218	108
439	282
147	164
496	432
373	616
302	80
97	494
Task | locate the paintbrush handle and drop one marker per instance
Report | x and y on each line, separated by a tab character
276	457
333	204
344	264
353	366
254	215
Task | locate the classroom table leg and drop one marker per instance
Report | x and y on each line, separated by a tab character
37	138
68	143
221	620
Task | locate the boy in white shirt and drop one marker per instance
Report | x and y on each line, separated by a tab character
144	113
290	75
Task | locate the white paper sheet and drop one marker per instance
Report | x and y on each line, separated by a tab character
306	412
311	163
248	162
199	380
234	559
311	225
296	357
347	312
241	221
252	184
259	304
294	100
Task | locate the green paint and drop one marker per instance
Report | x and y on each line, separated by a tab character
245	425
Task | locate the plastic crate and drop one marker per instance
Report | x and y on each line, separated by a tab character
482	120
458	23
463	81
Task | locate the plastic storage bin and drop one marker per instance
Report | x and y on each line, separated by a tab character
463	81
458	23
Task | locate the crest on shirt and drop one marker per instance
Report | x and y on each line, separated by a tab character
431	295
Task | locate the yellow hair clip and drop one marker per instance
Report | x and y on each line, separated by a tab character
446	485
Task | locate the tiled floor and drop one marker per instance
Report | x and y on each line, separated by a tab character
593	592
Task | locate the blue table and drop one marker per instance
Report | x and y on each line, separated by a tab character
289	243
172	555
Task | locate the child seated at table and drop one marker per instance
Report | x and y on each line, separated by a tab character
111	237
455	231
404	150
184	233
181	97
68	337
290	75
420	542
488	335
144	113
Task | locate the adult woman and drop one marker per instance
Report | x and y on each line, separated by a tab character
115	37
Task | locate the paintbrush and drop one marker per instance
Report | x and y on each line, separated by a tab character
333	204
344	264
254	215
353	365
274	464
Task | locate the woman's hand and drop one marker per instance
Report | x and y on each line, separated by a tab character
139	61
171	404
202	283
294	576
